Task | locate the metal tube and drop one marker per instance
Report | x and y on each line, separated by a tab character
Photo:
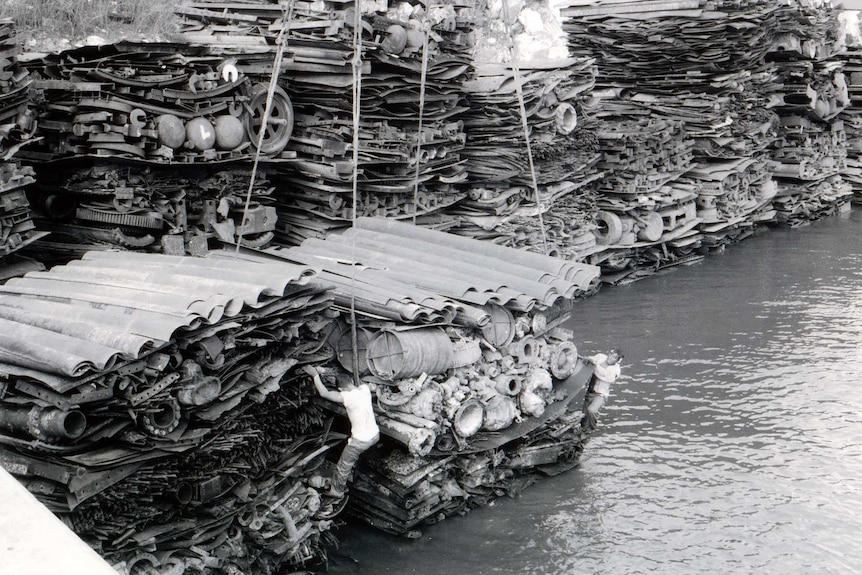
42	423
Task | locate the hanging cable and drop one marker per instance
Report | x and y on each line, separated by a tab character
281	42
357	107
423	76
518	89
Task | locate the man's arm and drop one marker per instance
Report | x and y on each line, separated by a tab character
321	389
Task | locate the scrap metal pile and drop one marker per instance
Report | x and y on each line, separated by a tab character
174	210
810	153
852	118
441	138
129	135
17	124
157	103
151	402
684	125
409	138
477	386
527	136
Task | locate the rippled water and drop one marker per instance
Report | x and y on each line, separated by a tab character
732	444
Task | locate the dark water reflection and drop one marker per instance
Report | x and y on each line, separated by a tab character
733	443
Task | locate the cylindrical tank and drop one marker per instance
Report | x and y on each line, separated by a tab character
399	354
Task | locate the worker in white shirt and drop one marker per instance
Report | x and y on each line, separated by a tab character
606	369
364	432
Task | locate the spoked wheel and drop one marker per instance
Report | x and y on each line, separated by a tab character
279	126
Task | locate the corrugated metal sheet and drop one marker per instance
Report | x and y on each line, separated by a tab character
411	264
114	306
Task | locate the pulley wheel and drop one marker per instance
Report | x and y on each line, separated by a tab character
279	127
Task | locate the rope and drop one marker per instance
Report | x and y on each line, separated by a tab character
286	16
518	89
357	93
423	77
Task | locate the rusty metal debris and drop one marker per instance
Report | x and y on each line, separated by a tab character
150	402
810	154
17	124
470	367
728	75
174	432
852	118
156	103
153	208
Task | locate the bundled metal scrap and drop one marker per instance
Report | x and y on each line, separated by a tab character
16	130
642	202
810	154
851	116
154	208
150	401
521	76
477	386
699	65
316	189
158	103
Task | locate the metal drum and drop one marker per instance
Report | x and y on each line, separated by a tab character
399	354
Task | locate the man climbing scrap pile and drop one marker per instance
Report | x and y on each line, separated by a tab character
606	369
364	432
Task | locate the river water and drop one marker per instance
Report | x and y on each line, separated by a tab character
731	444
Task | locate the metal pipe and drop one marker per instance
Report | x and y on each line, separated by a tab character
43	423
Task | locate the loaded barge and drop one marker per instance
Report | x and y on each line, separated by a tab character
159	404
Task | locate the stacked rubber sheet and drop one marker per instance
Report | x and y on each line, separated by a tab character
152	403
16	128
174	210
477	387
685	80
810	153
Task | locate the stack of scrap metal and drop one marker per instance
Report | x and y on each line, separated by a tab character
316	189
477	386
526	103
697	64
111	205
852	118
642	201
810	153
151	121
406	169
150	402
16	128
733	197
159	103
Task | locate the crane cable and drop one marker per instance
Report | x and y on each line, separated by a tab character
518	88
357	93
419	136
281	42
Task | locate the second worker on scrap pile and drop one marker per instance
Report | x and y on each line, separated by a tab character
364	432
606	370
